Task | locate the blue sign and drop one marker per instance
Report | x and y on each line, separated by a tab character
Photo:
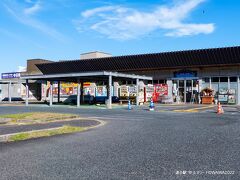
185	74
11	75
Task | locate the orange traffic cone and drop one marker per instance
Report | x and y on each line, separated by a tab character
220	109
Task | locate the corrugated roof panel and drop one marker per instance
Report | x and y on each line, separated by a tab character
193	58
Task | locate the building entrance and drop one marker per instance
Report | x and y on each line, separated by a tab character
185	90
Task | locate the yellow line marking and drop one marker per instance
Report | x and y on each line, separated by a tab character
193	109
173	104
183	110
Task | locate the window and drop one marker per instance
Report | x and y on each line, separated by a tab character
223	79
161	81
149	82
129	82
155	81
206	80
215	79
233	83
233	79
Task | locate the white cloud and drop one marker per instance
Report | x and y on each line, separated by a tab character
192	29
22	69
124	23
34	9
24	15
92	12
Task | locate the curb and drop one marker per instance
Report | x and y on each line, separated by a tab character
5	137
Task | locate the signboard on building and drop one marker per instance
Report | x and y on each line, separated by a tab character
124	91
161	89
132	90
149	90
101	91
185	74
90	90
68	84
11	75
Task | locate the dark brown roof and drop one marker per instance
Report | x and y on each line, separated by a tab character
177	59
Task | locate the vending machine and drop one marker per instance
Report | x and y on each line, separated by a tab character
160	90
141	93
132	93
149	90
124	92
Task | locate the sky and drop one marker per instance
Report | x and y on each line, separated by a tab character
63	29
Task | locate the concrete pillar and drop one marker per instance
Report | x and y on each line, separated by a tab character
210	83
218	88
170	87
192	87
78	93
137	94
110	92
199	85
228	83
238	90
51	94
178	88
185	91
10	92
199	90
27	93
59	91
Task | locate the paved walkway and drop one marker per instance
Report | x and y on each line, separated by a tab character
8	129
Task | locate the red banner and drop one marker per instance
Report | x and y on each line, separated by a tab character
159	90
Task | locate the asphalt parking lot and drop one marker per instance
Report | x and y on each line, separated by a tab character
137	144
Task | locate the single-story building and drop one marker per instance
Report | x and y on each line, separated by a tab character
191	76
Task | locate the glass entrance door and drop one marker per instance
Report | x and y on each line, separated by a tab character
185	90
181	90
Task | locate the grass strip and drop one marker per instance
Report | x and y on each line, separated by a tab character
45	133
16	116
36	117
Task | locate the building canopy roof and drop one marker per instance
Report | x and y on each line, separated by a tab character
85	76
178	59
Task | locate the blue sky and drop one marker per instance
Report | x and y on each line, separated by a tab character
63	29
